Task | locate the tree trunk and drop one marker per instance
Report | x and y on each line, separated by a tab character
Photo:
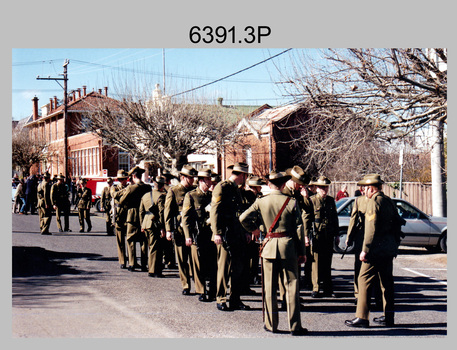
439	206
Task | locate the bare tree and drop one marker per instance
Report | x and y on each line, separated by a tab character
27	150
162	130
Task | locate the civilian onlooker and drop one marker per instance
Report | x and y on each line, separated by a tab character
342	193
19	200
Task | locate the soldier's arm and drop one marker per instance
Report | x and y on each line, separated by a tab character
186	216
142	208
169	212
250	217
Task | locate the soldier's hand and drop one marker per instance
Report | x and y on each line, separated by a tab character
169	235
217	239
188	242
255	234
162	233
363	256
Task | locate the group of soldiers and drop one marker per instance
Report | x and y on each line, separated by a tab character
54	196
218	233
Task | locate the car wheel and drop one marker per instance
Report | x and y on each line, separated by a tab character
339	245
97	205
443	242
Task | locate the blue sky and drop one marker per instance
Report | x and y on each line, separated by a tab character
184	69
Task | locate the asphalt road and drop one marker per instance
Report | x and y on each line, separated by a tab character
69	285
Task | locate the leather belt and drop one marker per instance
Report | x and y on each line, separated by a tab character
277	235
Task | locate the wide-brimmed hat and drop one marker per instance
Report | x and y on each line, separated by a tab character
60	177
166	173
46	175
215	177
298	175
109	179
370	179
278	177
188	170
206	172
239	167
321	181
121	174
83	181
255	181
160	179
136	170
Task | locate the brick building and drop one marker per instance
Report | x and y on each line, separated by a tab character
88	156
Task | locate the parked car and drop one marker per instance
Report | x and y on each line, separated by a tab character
421	230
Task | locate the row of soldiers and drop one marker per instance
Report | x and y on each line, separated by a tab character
54	196
212	244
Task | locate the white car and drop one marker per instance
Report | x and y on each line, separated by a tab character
421	230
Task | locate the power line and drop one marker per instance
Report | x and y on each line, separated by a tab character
230	75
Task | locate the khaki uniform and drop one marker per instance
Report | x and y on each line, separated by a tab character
325	229
381	247
59	198
195	223
279	255
105	201
119	217
226	207
84	203
355	234
131	199
44	205
172	215
152	222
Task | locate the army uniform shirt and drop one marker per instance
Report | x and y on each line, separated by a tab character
194	214
152	207
172	215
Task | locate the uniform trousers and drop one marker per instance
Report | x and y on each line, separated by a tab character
132	239
287	271
321	268
84	215
183	258
155	253
64	210
45	215
121	233
383	269
197	271
229	268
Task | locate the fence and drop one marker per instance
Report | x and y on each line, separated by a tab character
418	194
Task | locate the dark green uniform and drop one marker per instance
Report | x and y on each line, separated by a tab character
280	254
381	247
226	207
152	222
325	229
44	205
59	198
172	216
84	203
131	199
195	223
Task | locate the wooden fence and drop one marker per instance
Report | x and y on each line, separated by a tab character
418	194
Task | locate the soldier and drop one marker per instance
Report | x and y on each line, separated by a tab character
106	205
380	246
168	246
197	231
61	203
131	199
120	215
325	228
45	204
84	204
152	206
172	216
230	237
283	250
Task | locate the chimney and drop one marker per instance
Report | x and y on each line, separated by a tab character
55	101
79	92
74	94
106	91
84	90
50	104
35	108
100	91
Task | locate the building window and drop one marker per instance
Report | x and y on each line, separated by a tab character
86	162
124	160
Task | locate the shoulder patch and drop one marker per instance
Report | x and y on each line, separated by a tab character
370	216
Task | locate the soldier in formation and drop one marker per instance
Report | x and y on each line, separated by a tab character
84	204
106	205
61	203
120	216
45	204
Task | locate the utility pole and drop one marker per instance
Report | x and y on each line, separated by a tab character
65	103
